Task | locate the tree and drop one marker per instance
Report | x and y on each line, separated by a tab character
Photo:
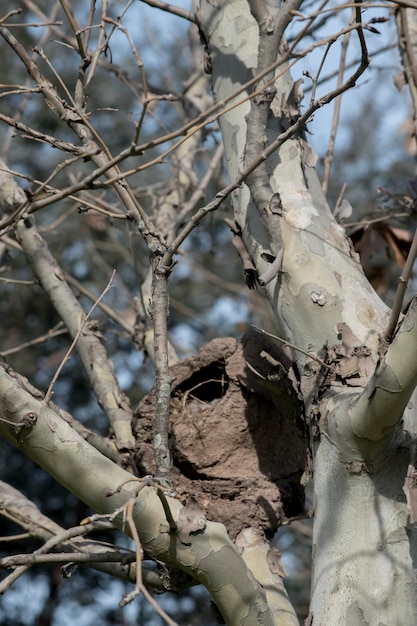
335	383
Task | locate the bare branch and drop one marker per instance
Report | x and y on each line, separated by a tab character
163	378
28	560
26	514
336	115
103	445
171	8
401	289
78	122
53	332
69	455
92	352
109	311
293	347
382	403
59	539
67	355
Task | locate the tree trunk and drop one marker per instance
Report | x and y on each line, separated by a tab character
355	388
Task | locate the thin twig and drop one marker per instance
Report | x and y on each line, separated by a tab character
10	14
328	159
339	200
376	220
170	8
74	341
401	289
58	539
79	123
294	347
15	281
53	332
195	125
140	66
108	310
198	194
140	587
130	505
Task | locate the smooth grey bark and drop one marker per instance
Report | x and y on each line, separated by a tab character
364	538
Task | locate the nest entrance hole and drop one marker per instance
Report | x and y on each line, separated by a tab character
208	383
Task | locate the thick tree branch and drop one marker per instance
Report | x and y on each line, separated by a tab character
104	486
308	297
26	514
265	563
102	444
92	352
381	406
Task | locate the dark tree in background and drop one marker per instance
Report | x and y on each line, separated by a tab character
201	318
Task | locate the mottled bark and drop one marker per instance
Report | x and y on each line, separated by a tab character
355	401
204	551
340	379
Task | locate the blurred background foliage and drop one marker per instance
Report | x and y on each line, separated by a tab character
375	158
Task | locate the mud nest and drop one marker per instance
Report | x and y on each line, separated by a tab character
236	434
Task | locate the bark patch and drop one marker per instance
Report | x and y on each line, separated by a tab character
236	440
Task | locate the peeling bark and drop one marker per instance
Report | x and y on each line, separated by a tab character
210	558
355	393
235	408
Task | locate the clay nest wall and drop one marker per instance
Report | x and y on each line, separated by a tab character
236	433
